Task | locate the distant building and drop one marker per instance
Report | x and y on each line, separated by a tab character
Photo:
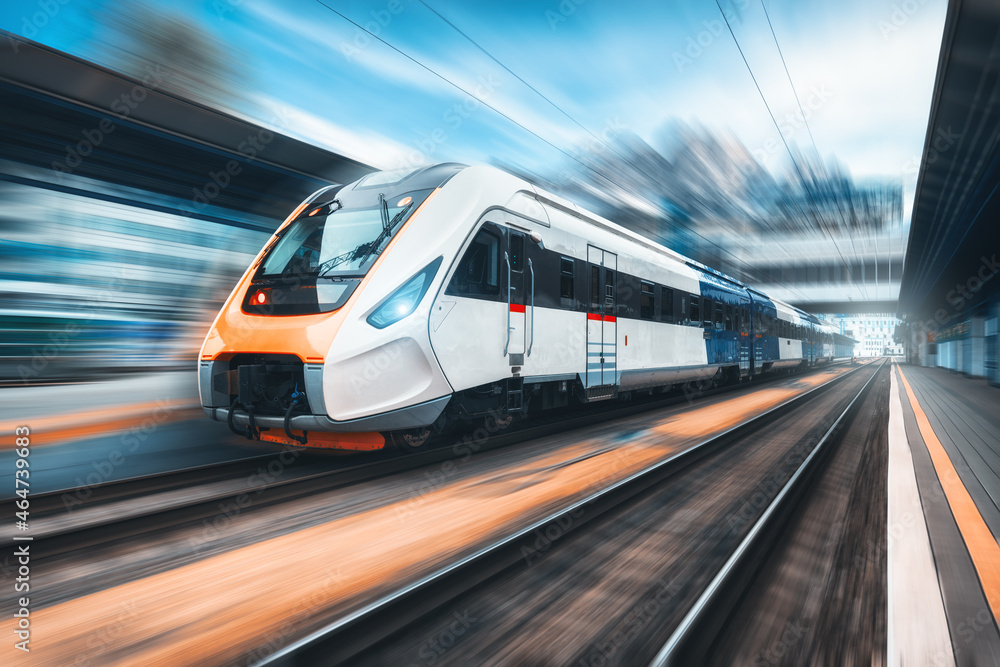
874	333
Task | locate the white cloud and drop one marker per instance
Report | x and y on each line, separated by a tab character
359	144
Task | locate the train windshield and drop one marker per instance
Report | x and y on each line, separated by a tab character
341	239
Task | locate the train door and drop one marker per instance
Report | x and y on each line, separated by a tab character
602	325
516	298
812	335
744	339
757	337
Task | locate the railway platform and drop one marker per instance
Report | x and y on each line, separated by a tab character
94	432
944	519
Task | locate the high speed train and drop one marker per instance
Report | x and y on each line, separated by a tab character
387	309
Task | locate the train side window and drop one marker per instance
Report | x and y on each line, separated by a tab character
706	312
667	305
695	311
566	282
516	251
718	315
609	286
729	317
647	302
478	272
595	287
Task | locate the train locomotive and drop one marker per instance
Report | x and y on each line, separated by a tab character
383	311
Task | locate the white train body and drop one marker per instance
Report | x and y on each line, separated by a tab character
508	298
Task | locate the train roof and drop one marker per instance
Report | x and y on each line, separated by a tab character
437	175
411	178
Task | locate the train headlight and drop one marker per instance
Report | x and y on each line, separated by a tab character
404	300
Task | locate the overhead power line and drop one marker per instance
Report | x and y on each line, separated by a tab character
507	117
781	135
638	168
812	139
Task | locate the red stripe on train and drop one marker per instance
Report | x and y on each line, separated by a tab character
517	307
599	317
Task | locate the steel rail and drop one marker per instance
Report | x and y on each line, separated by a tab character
673	651
363	627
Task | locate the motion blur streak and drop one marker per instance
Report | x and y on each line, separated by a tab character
983	547
258	591
128	213
93	287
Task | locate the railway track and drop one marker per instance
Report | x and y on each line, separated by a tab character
75	518
381	631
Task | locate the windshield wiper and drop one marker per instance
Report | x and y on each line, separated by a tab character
383	209
386	232
387	227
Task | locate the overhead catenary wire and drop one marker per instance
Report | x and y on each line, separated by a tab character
510	71
812	139
781	135
509	118
787	74
565	113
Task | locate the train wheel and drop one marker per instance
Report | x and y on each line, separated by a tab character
411	440
497	422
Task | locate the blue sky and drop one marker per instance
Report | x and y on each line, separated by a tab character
865	68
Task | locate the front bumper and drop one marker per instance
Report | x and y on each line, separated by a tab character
414	416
